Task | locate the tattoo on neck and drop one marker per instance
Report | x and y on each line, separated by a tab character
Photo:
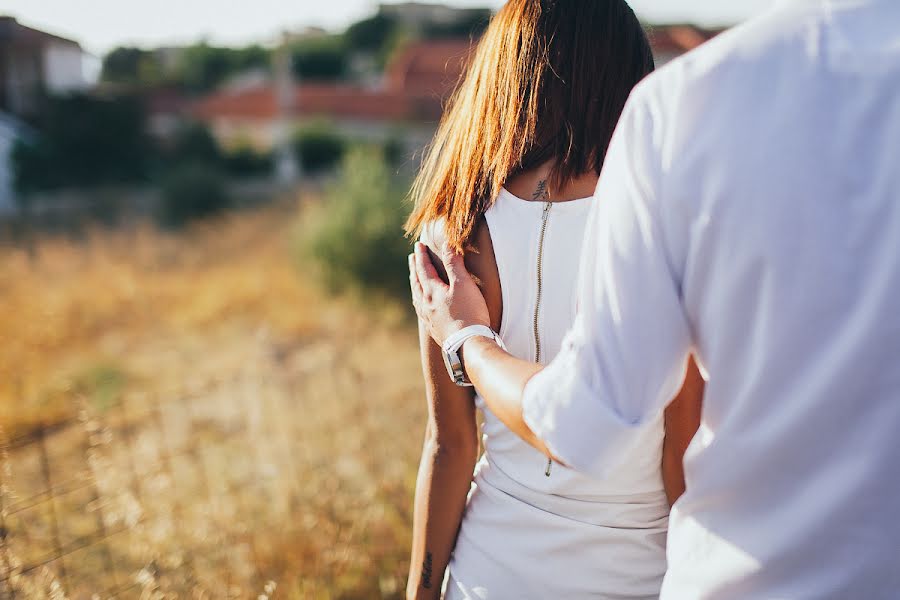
541	192
426	571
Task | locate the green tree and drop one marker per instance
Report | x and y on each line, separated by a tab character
321	58
355	238
84	140
202	67
372	34
192	191
123	65
319	147
134	66
193	142
472	23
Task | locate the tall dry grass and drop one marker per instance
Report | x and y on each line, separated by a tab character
98	328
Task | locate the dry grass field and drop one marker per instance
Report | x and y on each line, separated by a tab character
188	416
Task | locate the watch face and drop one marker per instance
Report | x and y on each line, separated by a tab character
454	368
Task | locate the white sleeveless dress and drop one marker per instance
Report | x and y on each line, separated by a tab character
564	536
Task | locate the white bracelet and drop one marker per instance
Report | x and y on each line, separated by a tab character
452	345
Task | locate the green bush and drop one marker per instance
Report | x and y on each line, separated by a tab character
244	161
191	192
193	142
355	237
201	67
322	58
84	140
372	34
319	147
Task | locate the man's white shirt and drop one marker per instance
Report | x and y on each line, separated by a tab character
749	213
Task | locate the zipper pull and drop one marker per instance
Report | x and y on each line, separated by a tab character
549	465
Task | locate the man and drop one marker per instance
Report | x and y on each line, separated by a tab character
748	213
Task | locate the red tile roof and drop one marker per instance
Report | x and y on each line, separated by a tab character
338	101
417	81
257	103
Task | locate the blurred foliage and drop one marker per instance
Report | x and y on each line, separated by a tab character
245	161
87	141
395	149
319	147
197	68
371	34
356	235
320	58
84	140
202	67
192	191
133	66
194	142
472	23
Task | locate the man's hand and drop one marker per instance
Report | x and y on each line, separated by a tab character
445	308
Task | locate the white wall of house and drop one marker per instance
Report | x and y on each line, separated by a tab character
64	68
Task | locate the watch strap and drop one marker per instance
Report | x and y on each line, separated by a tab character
454	342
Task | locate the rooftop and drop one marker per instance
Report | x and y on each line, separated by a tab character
13	33
416	84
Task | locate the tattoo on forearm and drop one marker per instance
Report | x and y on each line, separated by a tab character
541	192
426	571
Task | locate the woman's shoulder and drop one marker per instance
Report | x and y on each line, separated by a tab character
482	264
434	236
478	249
479	258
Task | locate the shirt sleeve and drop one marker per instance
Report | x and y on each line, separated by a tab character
623	360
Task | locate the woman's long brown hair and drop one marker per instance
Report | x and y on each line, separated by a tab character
547	82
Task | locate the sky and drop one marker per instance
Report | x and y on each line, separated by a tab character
100	25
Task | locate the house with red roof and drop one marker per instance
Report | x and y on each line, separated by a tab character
408	100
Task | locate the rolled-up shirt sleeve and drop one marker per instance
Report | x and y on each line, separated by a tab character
624	358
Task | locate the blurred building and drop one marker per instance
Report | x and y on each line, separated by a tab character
406	102
33	63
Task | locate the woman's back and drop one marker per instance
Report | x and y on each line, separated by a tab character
525	532
536	247
540	100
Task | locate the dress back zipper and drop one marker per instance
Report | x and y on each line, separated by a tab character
540	289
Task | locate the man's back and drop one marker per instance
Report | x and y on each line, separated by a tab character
780	202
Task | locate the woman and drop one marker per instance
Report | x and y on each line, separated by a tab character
508	180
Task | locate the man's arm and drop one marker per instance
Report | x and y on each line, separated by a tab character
624	358
502	378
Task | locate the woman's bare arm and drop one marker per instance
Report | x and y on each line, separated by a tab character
682	419
451	441
445	473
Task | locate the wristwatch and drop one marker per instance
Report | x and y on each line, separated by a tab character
452	345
